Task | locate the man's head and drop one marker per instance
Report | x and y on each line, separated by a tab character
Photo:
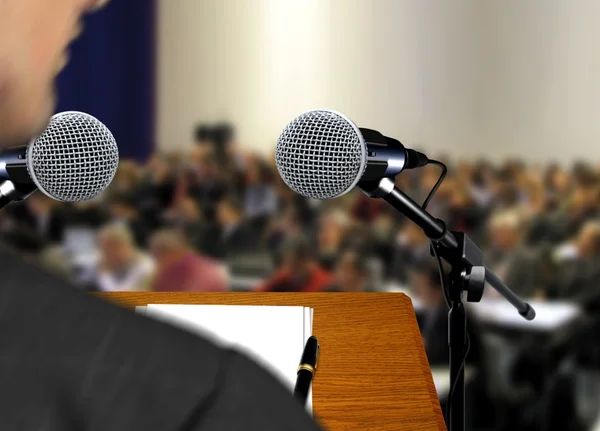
351	272
34	36
116	245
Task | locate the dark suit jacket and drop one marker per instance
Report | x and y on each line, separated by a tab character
71	362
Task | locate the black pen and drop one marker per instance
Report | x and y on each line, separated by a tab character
307	368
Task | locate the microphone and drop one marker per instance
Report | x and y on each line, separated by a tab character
75	159
323	155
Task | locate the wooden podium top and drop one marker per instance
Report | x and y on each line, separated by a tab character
373	373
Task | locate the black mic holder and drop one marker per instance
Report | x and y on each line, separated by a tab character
468	274
11	191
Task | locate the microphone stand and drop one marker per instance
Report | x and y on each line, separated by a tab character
468	274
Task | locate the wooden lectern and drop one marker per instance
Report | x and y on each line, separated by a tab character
373	373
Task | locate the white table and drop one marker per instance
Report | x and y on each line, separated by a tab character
550	315
245	283
441	379
398	288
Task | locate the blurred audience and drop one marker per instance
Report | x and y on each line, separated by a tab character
122	266
514	262
180	269
215	218
123	209
300	270
411	248
332	232
237	235
538	227
351	273
578	263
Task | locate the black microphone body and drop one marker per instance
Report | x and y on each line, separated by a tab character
387	156
13	165
15	182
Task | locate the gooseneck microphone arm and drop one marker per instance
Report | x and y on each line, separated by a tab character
449	242
468	274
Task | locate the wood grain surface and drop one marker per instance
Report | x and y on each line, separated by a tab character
373	373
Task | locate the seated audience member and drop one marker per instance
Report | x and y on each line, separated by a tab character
464	215
126	180
155	191
180	269
186	216
123	210
122	266
351	273
300	271
332	232
236	235
578	266
81	222
284	225
384	227
480	184
411	246
260	196
84	215
206	182
366	209
32	225
513	262
581	206
43	217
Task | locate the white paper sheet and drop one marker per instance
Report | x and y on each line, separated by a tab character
274	336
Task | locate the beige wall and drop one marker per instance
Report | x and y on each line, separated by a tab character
540	78
494	78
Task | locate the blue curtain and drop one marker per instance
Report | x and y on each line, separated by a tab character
111	74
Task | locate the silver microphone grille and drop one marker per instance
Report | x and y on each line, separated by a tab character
75	159
321	154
